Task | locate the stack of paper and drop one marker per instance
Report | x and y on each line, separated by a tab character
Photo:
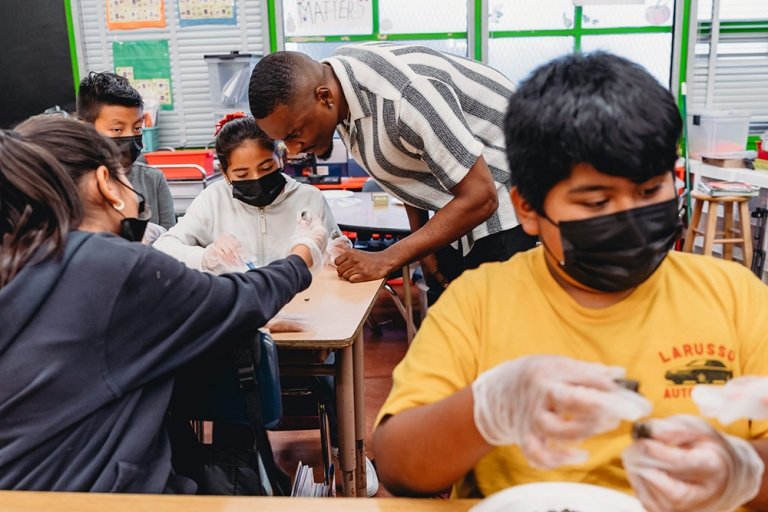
304	483
720	188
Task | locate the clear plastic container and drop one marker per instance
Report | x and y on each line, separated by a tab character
229	75
150	139
717	131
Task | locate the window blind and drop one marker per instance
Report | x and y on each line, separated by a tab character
730	67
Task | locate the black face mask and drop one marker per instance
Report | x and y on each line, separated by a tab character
130	149
260	192
132	228
617	252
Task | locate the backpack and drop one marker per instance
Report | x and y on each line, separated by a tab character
238	389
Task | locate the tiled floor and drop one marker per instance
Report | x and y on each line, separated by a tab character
382	353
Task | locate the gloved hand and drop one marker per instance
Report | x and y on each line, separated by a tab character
687	465
152	233
742	397
336	247
546	404
225	254
311	232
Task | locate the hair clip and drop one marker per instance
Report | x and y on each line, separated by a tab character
227	118
56	111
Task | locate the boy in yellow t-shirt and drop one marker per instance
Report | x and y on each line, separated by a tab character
511	378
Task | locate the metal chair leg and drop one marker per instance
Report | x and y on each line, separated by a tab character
325	440
406	312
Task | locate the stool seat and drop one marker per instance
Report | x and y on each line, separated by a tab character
730	235
701	196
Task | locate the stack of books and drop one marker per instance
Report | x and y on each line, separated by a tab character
304	484
719	188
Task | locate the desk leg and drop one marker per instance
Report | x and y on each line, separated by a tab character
410	329
359	380
345	402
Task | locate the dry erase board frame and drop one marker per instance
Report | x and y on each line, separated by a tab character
35	59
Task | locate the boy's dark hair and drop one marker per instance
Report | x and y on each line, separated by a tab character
236	131
99	89
274	82
597	109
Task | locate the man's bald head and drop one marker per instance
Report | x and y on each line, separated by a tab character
283	78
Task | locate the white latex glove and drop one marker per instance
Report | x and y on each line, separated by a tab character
286	322
547	404
687	465
225	254
336	247
311	232
742	397
152	233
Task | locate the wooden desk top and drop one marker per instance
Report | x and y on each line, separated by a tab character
357	213
23	501
335	310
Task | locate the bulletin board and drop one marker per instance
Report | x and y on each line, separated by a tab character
147	66
36	70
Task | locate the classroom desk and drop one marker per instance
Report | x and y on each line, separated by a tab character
24	501
357	213
336	311
347	183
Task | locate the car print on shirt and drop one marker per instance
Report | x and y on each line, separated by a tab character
703	371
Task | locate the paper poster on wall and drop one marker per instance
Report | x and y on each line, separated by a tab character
133	14
207	12
147	66
323	18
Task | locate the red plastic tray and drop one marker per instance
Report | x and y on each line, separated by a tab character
201	157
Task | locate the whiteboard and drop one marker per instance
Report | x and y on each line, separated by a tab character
327	18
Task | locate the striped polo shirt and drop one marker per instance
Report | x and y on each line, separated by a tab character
419	120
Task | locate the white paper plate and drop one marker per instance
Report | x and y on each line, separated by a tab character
557	496
337	194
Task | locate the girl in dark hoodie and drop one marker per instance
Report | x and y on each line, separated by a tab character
94	326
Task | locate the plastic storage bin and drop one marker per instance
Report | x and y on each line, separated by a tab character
717	131
201	157
229	75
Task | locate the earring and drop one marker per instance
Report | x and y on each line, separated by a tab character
119	206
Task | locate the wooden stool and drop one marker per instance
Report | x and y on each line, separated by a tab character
729	233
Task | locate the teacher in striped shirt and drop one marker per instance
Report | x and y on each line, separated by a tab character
427	126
